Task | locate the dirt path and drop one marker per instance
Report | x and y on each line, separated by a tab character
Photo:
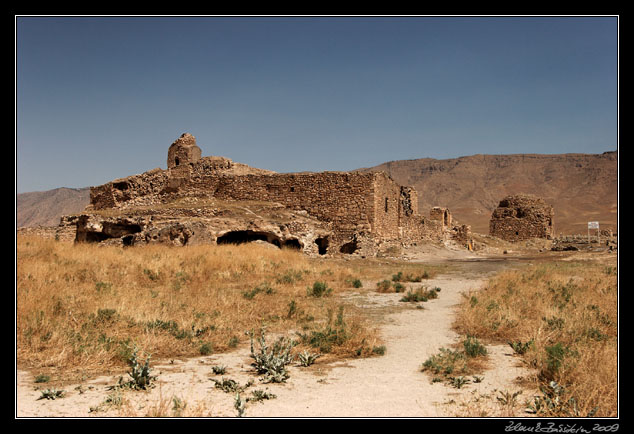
390	385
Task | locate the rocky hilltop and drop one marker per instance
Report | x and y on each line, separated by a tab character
580	187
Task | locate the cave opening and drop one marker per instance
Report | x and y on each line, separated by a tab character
349	247
241	237
322	245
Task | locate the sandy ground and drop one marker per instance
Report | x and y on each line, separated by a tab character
391	385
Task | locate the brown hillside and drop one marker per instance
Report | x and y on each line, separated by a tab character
45	208
580	187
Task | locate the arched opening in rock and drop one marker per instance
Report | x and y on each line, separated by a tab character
292	243
177	161
349	247
322	245
240	237
93	237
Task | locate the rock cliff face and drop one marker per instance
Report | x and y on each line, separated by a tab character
205	222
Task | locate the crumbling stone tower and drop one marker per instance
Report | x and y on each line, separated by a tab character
183	151
522	217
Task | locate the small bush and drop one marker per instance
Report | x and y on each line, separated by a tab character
260	395
521	347
271	361
307	358
384	286
41	378
398	287
262	288
380	350
319	289
555	355
473	348
230	386
334	333
421	294
139	373
105	315
446	362
52	394
219	369
206	348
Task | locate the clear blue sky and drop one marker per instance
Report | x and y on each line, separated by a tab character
99	98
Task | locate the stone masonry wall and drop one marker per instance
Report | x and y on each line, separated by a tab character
362	208
345	199
522	217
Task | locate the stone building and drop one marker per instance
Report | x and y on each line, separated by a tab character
183	151
362	210
522	217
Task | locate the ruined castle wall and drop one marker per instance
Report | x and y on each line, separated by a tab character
522	217
125	189
387	207
345	199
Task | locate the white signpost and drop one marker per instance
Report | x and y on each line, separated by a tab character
594	225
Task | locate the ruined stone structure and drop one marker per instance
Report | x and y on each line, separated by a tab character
183	151
522	217
347	211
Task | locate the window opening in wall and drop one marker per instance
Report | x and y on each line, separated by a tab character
292	188
177	161
386	204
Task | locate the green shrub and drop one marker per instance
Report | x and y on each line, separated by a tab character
52	394
356	283
334	333
398	287
261	288
307	358
521	347
219	369
446	362
421	294
41	378
319	289
473	348
206	348
271	361
383	286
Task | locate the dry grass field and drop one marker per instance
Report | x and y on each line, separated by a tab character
562	318
82	310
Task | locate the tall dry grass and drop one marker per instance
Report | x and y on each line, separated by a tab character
82	309
563	318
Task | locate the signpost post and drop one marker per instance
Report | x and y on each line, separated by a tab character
593	225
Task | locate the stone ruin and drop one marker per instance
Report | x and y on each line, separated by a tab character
522	217
215	200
